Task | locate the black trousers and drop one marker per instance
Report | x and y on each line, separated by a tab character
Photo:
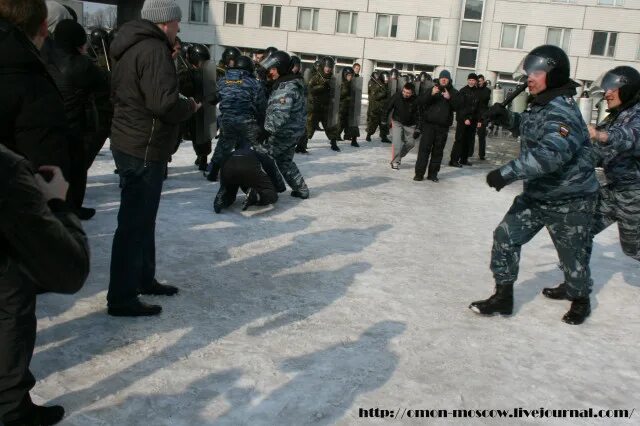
245	172
465	138
482	141
77	170
17	340
431	149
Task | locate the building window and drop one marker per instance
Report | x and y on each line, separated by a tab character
473	9
428	29
308	19
559	37
604	43
387	26
467	58
270	16
347	22
512	36
470	32
199	11
234	13
611	2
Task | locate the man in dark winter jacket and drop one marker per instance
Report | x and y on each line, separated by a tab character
42	249
467	121
77	78
147	114
405	116
484	97
437	107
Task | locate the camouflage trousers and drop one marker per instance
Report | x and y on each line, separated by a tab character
282	148
569	225
374	119
231	133
623	207
320	116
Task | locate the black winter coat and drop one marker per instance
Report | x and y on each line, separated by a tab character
436	109
42	247
469	104
32	119
403	110
144	88
77	78
484	97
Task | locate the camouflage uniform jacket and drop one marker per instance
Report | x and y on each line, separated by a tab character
621	154
555	158
378	95
319	91
241	97
286	111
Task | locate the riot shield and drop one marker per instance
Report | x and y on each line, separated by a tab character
209	88
402	80
424	87
393	86
497	96
307	75
334	101
355	108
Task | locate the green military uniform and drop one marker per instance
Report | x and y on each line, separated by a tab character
345	110
378	96
318	101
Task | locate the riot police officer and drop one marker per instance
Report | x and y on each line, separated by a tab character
318	101
378	96
350	132
560	186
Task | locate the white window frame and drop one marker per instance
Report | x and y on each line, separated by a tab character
614	3
353	21
606	45
519	28
565	37
203	10
392	17
273	17
433	35
315	17
239	6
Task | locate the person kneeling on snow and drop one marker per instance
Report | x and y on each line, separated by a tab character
255	172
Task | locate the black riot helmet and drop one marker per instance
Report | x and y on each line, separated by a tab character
346	71
550	59
230	54
375	76
316	65
327	62
384	77
99	36
184	49
394	73
624	78
424	77
198	53
245	63
295	61
410	78
269	50
279	60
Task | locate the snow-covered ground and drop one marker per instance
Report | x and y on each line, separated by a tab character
306	311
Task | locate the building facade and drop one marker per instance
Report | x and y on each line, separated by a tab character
486	36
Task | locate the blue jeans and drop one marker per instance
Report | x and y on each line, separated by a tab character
133	255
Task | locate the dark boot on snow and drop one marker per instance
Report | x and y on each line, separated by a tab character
500	303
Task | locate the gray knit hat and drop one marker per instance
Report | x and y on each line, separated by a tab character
159	11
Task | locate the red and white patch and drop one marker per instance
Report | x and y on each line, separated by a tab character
563	130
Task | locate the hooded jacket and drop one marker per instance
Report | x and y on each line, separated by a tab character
404	111
144	90
32	119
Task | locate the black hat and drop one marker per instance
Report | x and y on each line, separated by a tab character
70	35
472	76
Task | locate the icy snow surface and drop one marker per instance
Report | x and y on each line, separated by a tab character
304	312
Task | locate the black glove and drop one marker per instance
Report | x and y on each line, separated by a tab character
263	135
416	134
497	114
495	180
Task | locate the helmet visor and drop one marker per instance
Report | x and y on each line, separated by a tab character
271	61
608	81
532	64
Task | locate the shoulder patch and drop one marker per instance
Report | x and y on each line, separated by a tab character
563	129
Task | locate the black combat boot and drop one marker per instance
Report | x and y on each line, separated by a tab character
354	142
368	138
334	145
556	293
202	163
579	311
385	139
39	416
500	303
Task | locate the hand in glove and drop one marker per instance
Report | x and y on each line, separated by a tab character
497	114
416	134
495	180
